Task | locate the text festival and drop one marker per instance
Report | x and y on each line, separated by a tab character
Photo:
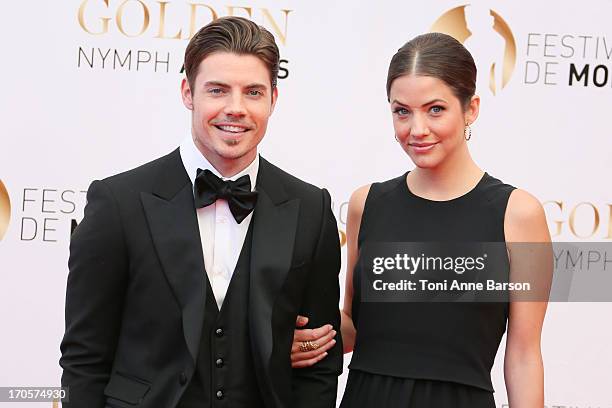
550	54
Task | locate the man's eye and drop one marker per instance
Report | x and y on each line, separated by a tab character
215	91
254	92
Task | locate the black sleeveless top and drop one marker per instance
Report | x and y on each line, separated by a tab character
453	341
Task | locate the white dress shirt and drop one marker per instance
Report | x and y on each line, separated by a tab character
222	237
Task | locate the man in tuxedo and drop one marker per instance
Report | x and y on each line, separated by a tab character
187	273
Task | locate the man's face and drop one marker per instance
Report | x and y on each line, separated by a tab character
231	101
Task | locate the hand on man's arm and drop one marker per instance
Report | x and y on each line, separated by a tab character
316	386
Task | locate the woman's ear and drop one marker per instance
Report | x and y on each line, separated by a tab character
472	110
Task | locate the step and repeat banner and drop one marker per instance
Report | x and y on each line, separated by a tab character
91	88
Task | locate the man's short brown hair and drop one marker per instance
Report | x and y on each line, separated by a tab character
236	35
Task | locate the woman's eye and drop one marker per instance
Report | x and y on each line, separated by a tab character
437	109
401	111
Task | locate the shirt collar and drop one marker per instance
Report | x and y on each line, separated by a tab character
193	160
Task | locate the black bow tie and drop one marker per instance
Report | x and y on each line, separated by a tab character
209	188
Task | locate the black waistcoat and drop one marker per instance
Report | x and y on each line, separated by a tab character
224	376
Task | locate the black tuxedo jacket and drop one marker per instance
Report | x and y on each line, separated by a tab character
136	289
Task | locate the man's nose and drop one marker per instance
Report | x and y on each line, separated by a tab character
235	106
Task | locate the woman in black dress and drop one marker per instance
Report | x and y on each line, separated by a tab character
413	354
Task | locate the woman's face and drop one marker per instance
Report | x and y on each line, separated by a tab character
428	119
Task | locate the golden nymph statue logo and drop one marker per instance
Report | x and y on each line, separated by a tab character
488	37
5	210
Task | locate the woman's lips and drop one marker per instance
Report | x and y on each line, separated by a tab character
422	147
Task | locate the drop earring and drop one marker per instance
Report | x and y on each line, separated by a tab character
467	132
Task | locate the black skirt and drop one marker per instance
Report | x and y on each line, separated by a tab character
367	390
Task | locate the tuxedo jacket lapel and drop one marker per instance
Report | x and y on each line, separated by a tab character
173	224
274	227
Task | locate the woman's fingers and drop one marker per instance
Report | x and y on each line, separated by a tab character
320	335
308	363
323	336
301	321
307	358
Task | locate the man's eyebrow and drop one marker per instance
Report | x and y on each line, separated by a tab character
216	83
256	85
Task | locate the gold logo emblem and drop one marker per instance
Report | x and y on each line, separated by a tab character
488	37
5	210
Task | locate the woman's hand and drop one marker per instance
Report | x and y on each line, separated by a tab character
310	345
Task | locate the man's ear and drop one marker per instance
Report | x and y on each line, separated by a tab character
186	94
274	98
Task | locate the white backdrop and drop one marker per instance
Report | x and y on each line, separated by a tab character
82	97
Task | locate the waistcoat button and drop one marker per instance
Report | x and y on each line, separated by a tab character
182	379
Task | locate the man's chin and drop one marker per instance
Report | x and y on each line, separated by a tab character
232	148
233	152
232	142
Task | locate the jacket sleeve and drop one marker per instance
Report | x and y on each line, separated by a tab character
316	386
95	290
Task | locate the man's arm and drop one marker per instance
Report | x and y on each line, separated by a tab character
316	386
323	335
94	299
